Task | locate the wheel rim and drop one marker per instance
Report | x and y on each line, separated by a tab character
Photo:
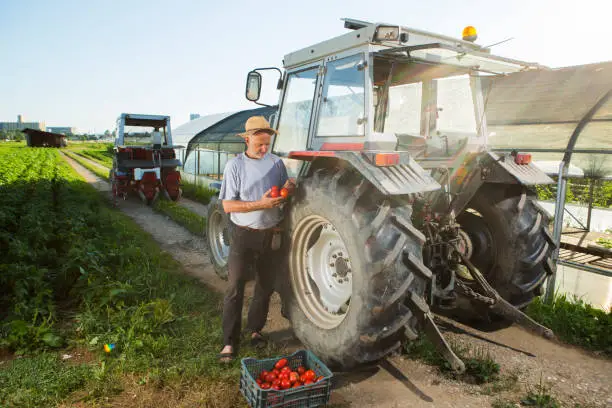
218	236
324	292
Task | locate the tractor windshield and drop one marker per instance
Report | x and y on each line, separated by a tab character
430	108
142	135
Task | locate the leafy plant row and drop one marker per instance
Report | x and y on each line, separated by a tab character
80	274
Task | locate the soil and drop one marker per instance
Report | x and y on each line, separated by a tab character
575	377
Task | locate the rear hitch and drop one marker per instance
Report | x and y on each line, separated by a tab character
498	304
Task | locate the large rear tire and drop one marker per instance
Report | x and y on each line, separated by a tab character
511	244
218	236
355	257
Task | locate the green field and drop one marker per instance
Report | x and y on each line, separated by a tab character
77	274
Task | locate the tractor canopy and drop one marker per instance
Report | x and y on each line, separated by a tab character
137	130
388	87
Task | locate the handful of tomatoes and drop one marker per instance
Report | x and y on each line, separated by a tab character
275	192
281	377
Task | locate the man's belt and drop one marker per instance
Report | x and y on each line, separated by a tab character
272	229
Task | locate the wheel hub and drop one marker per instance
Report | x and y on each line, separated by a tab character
330	270
465	245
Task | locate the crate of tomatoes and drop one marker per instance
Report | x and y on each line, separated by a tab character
299	380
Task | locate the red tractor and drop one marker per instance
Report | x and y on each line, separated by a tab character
145	161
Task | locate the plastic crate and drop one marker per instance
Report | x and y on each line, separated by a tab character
307	396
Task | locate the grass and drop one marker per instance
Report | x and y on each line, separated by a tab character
538	396
41	380
198	193
103	157
480	367
101	153
575	322
102	173
188	219
605	242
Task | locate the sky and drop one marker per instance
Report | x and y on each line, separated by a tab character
82	63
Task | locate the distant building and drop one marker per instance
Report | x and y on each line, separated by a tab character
193	116
20	125
64	130
38	138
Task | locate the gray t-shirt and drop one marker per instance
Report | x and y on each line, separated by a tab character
247	179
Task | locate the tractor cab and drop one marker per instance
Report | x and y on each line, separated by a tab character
145	159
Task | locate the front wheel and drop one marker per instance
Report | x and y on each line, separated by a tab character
354	259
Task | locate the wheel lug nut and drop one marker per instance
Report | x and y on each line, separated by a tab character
331	264
334	274
334	256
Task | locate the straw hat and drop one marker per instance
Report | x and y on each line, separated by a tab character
256	124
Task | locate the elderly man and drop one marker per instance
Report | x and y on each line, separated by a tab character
246	194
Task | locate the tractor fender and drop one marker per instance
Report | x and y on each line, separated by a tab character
501	168
404	177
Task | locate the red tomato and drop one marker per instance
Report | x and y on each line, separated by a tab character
284	193
258	381
285	384
310	375
263	375
274	194
284	375
276	372
296	384
265	385
280	363
270	377
285	368
302	378
301	370
307	382
294	377
276	387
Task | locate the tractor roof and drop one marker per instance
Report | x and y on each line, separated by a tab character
135	119
409	41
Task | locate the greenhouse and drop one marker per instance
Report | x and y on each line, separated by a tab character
209	149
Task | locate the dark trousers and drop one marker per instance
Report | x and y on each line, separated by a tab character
250	251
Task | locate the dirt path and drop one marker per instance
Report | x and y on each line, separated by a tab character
577	378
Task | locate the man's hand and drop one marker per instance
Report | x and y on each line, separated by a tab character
268	202
290	185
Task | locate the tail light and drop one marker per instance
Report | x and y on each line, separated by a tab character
386	159
522	158
382	159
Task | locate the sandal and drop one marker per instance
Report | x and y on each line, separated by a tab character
258	340
226	358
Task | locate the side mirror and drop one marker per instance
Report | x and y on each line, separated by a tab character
253	86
